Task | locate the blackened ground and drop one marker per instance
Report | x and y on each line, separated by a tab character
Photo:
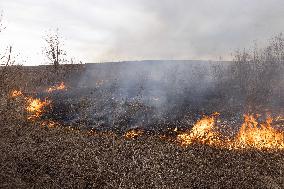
98	108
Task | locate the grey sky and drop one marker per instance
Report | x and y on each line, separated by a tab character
112	30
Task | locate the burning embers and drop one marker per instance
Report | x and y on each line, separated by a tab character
133	133
58	87
252	134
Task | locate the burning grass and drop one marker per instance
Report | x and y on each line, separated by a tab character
261	136
52	156
202	132
58	87
40	152
133	133
35	107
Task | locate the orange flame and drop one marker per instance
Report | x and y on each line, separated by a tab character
251	135
134	133
35	107
260	136
202	132
16	93
61	86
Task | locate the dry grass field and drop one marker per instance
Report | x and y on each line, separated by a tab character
34	155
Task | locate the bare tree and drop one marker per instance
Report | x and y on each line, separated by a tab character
53	49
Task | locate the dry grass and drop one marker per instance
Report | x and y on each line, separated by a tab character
34	157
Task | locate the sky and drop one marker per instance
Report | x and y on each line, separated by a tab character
117	30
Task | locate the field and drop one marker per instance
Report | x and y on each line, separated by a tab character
139	125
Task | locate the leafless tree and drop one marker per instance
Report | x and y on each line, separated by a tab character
54	50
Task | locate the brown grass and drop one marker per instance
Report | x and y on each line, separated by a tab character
35	157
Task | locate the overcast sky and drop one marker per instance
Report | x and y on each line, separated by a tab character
114	30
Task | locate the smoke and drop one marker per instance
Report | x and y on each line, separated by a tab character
161	94
147	92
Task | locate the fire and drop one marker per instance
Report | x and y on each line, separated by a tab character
260	136
134	133
202	132
35	107
61	86
16	93
252	134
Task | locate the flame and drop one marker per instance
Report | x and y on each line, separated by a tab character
251	135
16	93
202	132
259	136
134	133
35	107
61	86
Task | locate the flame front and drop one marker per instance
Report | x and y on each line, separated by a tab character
202	132
260	136
251	135
35	107
61	86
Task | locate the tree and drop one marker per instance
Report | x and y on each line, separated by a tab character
53	50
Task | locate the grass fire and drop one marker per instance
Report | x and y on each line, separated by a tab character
105	131
35	107
157	120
